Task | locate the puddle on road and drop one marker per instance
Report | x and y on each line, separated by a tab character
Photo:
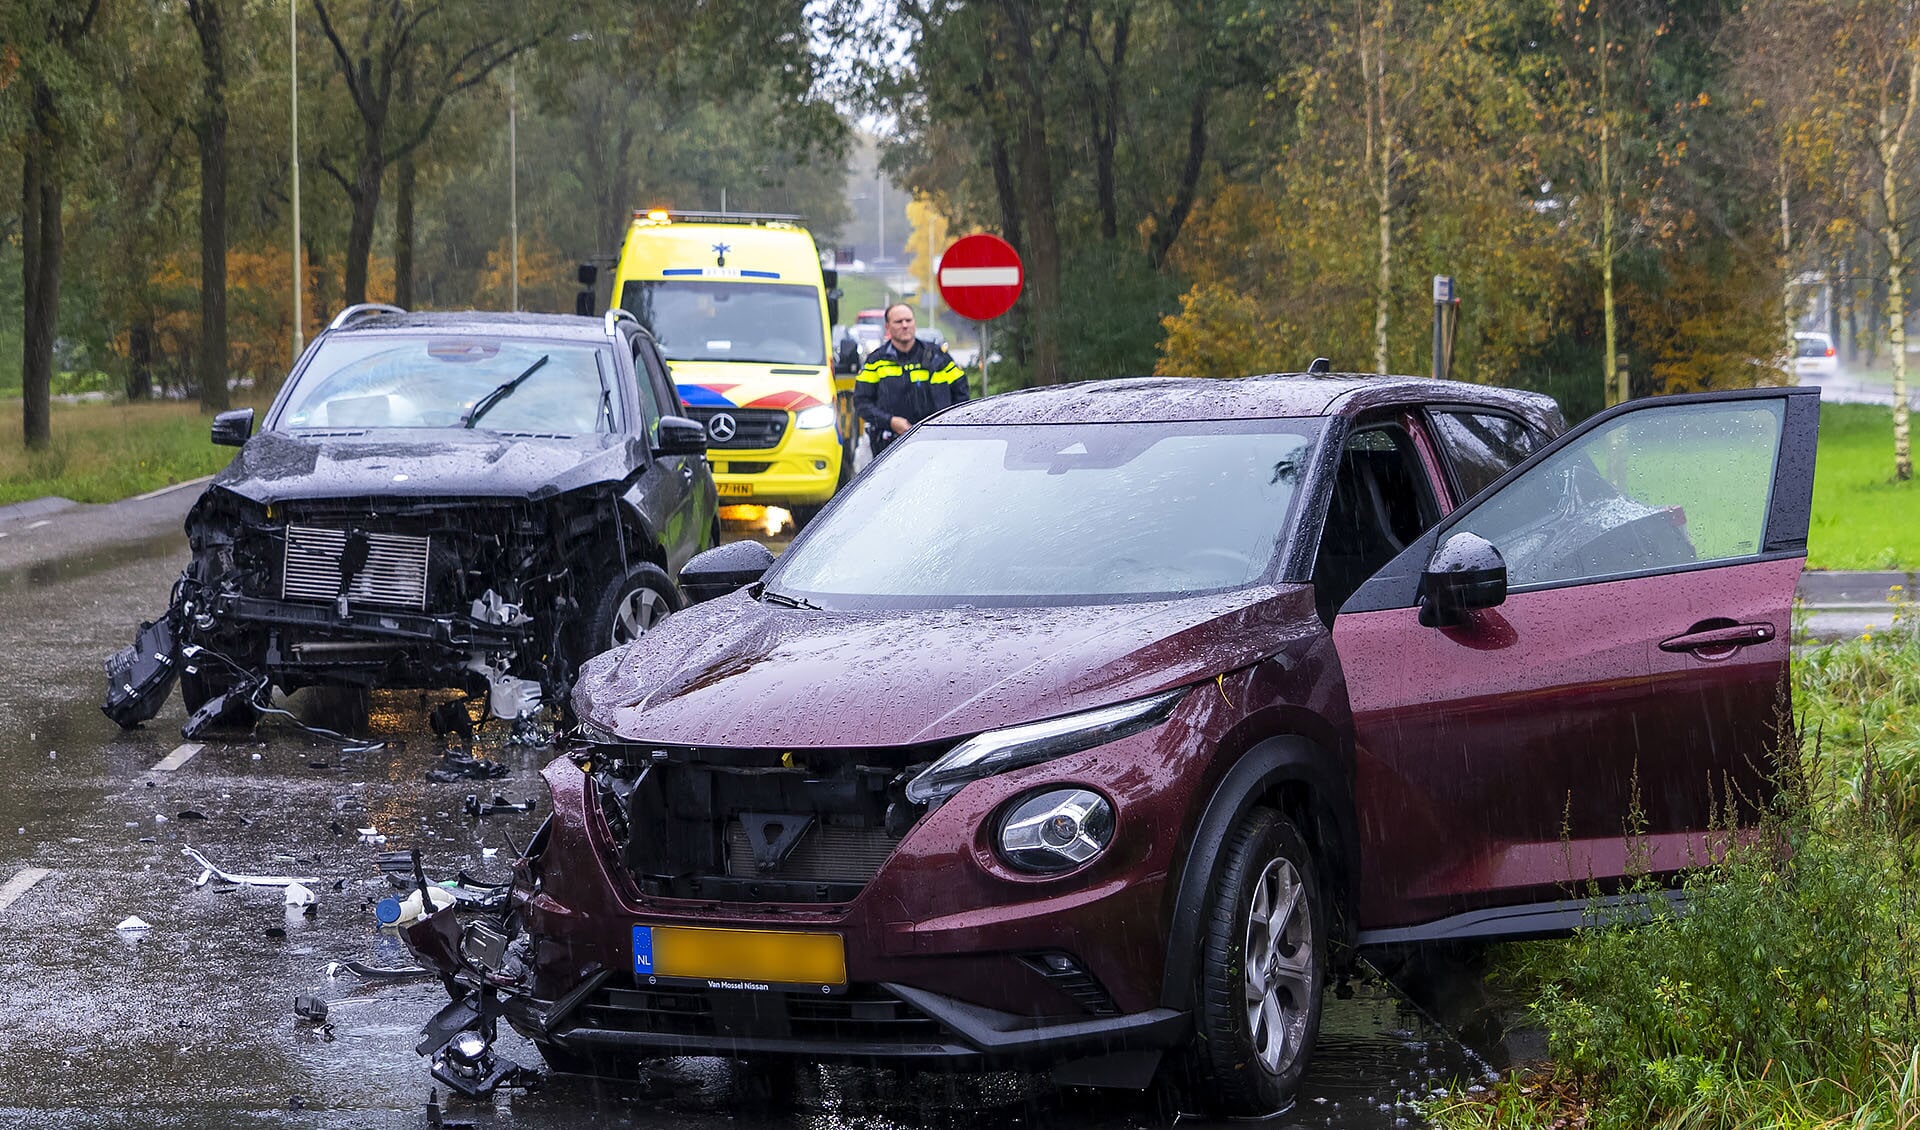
65	569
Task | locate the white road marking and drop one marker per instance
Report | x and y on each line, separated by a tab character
174	487
40	523
178	758
20	884
979	276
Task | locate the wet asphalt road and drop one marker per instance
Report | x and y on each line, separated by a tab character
193	1026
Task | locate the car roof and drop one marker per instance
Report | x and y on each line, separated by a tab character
1268	396
481	323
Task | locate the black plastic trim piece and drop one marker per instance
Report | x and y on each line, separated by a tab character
1529	920
1276	761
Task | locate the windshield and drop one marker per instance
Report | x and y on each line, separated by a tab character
389	381
701	320
1037	513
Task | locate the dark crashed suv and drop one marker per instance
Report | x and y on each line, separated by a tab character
470	500
1093	726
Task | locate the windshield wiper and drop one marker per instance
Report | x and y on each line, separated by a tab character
485	404
786	601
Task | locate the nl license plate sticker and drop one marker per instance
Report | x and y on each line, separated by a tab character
740	959
734	490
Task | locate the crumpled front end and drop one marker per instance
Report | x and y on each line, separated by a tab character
483	595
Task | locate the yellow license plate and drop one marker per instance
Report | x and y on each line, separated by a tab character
740	959
734	490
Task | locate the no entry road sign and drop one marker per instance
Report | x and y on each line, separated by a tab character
980	276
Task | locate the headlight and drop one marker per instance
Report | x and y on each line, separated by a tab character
1057	830
1000	750
818	416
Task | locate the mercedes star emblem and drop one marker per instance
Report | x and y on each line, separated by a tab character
722	427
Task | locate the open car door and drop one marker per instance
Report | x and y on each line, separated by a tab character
1583	671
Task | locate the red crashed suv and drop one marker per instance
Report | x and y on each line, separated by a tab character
1092	725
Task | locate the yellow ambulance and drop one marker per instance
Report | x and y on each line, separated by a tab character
742	310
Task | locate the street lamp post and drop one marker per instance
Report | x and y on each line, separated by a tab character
293	160
513	190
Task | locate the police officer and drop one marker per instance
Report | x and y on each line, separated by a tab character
904	381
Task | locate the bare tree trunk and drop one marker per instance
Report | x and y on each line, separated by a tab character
403	233
212	131
365	199
1892	140
1786	267
140	359
1167	230
1613	381
40	270
1379	161
1034	188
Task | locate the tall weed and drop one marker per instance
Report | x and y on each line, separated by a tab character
1788	994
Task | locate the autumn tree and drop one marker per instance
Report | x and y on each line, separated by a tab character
400	66
47	112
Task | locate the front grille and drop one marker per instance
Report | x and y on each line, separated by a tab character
755	429
825	854
863	1014
740	467
395	572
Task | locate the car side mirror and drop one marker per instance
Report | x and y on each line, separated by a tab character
723	569
1465	573
680	436
232	429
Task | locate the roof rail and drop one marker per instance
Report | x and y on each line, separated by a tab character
614	317
363	310
720	217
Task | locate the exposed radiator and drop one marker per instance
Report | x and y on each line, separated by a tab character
395	572
826	854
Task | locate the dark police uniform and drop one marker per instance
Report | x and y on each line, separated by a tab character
912	385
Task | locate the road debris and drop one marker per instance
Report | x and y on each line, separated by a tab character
212	872
133	927
298	895
309	1007
476	808
458	765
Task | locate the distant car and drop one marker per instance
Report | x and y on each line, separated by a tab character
1814	355
1094	727
469	500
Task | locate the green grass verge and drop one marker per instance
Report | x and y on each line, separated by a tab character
1862	518
106	452
1786	996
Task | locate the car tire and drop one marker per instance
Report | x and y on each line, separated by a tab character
1263	971
802	515
629	606
196	690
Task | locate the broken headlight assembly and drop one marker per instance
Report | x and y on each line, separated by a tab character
1016	747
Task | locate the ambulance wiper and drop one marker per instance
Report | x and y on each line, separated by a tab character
485	404
786	601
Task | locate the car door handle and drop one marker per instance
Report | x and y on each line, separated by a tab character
1726	638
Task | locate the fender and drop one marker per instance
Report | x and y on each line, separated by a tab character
1275	762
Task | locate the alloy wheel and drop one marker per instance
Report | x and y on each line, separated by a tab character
1279	965
639	611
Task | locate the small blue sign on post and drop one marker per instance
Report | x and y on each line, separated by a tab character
643	951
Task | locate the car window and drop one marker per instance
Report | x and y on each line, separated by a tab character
1382	503
650	411
701	320
1037	513
445	381
1650	491
1482	446
1815	346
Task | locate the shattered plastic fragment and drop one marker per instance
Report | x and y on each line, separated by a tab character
298	895
212	872
133	925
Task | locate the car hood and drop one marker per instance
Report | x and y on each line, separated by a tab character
420	462
740	673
